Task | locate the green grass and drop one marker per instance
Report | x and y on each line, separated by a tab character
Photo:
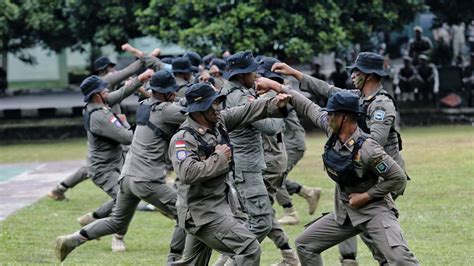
436	210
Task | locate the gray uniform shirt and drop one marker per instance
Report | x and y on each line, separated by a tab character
381	114
247	141
387	176
294	133
146	158
107	134
202	191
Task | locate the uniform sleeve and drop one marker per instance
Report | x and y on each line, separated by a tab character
252	111
190	169
116	77
172	114
269	126
307	108
377	161
122	93
104	123
317	87
152	62
381	115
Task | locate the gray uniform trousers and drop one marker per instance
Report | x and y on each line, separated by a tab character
255	202
274	181
227	235
131	192
383	228
108	182
289	186
76	178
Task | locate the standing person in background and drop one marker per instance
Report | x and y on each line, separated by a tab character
419	45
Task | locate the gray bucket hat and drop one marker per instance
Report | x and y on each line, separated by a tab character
240	63
200	97
369	63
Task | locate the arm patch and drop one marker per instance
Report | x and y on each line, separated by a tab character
381	168
379	115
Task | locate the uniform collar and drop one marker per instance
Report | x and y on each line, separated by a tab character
198	127
180	81
350	142
372	95
96	105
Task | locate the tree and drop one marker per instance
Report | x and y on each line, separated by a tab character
452	12
294	30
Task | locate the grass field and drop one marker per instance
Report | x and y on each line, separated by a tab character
437	213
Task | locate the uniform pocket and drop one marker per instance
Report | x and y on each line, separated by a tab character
393	233
237	238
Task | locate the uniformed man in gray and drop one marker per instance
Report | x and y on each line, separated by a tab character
182	69
294	144
106	133
143	173
365	177
247	145
202	158
105	68
381	120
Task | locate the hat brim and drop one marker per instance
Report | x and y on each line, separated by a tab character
340	110
252	68
194	69
379	72
203	105
105	66
103	85
189	70
168	89
270	74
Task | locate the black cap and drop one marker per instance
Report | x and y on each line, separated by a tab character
221	64
181	65
345	102
200	97
163	81
369	63
91	85
195	59
206	60
167	60
265	69
102	63
240	63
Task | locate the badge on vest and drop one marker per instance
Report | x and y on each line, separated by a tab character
379	115
181	152
381	168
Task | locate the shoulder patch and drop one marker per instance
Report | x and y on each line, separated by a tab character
381	168
181	154
115	121
379	115
181	151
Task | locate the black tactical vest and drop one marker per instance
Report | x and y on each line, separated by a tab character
341	168
142	118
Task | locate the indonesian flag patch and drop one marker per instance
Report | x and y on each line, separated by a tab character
115	121
181	152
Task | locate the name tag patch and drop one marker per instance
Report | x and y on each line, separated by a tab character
379	115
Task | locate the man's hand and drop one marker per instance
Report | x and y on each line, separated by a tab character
146	75
204	77
282	99
156	52
122	118
357	200
284	69
224	149
134	51
262	85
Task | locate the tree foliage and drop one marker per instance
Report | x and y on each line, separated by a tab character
452	11
295	29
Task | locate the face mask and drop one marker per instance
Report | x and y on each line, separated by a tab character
358	79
